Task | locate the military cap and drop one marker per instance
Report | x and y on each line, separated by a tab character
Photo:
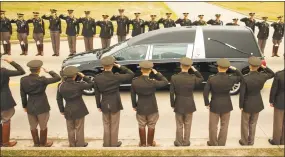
108	60
137	13
279	17
235	19
20	14
35	64
2	12
168	13
152	15
87	12
36	13
70	10
146	64
185	13
186	61
53	10
218	15
105	16
251	13
254	61
121	10
265	17
200	15
70	71
223	62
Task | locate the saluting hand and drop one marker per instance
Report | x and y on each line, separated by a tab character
233	68
99	109
193	68
117	65
263	67
271	105
208	107
241	109
80	74
25	109
134	109
8	60
154	71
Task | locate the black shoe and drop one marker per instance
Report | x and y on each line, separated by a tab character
187	144
208	143
241	143
119	143
54	55
177	144
22	54
86	144
271	142
4	53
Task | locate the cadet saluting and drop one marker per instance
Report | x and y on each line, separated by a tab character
182	100
185	21
276	100
37	105
55	30
277	35
217	21
249	22
220	106
88	30
234	23
107	30
122	25
263	33
72	30
22	32
168	22
5	33
152	24
107	85
146	105
7	101
138	25
200	22
38	32
75	109
250	99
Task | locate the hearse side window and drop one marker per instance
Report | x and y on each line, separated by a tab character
169	51
132	53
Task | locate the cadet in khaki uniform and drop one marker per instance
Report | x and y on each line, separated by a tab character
108	98
217	21
249	22
5	33
38	33
88	30
72	30
55	30
200	22
107	30
146	105
168	22
277	35
23	32
276	100
37	105
182	99
152	24
263	33
185	21
7	101
220	106
138	25
75	109
122	25
251	100
234	23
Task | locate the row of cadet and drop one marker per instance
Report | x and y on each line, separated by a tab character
107	29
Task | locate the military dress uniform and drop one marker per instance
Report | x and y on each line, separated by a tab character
185	21
234	23
262	34
75	109
249	22
200	22
138	26
55	31
152	24
216	22
37	104
107	31
22	33
250	100
220	105
277	36
167	22
5	33
38	32
8	102
108	99
146	105
277	100
122	26
88	30
182	100
72	30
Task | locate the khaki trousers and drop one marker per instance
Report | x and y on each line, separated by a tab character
262	44
111	123
278	127
276	42
72	44
41	120
121	38
183	121
75	130
213	128
149	120
55	41
88	43
248	127
105	42
5	37
7	115
23	38
39	38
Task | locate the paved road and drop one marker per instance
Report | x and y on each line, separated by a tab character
128	126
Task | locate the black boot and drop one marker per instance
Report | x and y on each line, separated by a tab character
42	49
276	51
273	51
5	49
142	134
36	139
26	49
9	49
39	50
23	50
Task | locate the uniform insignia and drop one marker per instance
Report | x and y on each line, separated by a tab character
135	78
